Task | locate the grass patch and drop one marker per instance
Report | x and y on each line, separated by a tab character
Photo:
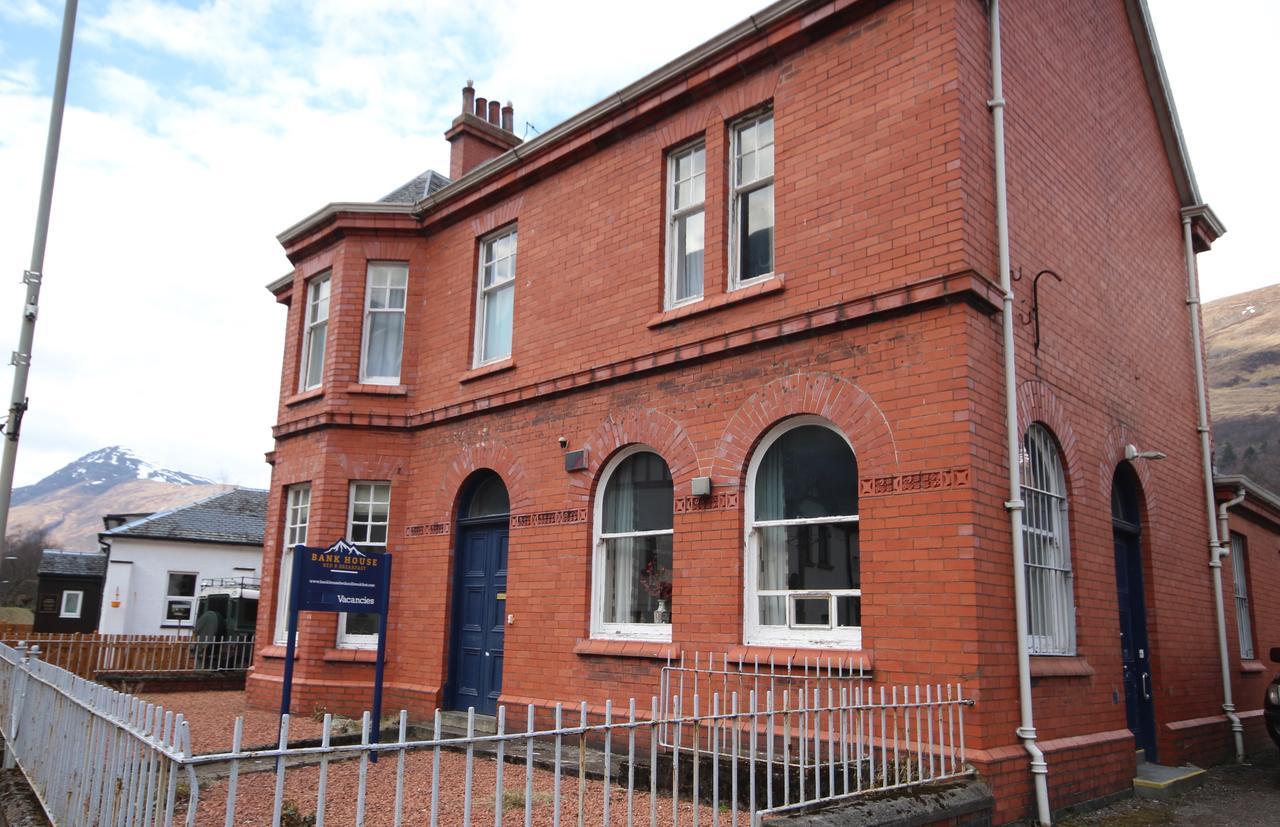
513	799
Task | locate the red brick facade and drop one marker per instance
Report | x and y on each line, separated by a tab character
882	318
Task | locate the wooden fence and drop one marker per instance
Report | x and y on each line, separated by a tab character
90	655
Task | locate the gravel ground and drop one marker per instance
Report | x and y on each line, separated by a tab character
212	718
1232	795
255	796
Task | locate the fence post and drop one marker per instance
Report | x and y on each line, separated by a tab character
15	704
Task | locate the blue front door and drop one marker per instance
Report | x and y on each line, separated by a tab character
1135	653
479	617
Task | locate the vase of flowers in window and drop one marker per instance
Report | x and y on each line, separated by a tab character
656	581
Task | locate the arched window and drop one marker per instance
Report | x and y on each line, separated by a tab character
631	570
488	499
1051	610
803	585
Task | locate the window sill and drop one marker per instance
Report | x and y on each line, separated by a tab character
1249	667
622	648
277	650
305	396
351	655
487	370
863	659
1054	666
377	390
769	286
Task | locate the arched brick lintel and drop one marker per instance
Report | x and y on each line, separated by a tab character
488	454
1038	403
1120	435
647	427
844	404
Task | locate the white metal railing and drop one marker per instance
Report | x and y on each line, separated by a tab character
96	756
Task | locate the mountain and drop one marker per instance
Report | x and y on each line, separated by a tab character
69	503
1242	336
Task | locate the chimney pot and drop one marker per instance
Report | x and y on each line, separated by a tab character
508	117
494	109
468	98
482	108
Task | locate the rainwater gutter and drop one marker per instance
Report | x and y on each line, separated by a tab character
1027	730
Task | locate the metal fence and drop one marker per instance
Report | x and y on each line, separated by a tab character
90	655
96	756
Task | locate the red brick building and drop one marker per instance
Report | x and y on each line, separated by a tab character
716	365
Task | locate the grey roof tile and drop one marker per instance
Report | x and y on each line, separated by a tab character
72	563
414	191
238	516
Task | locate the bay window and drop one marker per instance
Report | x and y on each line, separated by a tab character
314	332
384	303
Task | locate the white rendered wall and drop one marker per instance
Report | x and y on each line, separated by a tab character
141	588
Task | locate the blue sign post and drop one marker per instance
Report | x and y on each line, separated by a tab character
340	578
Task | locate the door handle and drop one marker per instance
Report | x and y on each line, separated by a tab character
1146	693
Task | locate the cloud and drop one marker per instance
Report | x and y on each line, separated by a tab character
30	12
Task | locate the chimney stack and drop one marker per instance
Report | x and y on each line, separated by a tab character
482	132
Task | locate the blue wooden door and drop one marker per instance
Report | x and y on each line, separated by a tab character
1135	651
479	617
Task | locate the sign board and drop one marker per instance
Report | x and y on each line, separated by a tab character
340	578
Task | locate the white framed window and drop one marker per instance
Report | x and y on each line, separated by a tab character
72	604
384	302
1244	622
368	516
180	598
803	580
631	564
315	329
1051	609
751	199
686	214
496	297
297	514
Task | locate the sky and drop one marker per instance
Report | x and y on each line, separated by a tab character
197	131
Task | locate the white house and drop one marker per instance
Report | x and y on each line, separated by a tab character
157	563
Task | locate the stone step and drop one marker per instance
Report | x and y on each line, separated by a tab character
1161	782
455	721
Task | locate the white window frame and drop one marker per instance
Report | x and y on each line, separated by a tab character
487	245
370	312
674	215
1244	621
1045	500
351	641
63	611
310	326
656	632
805	637
191	599
738	190
297	516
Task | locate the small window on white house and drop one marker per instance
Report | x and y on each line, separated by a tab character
803	565
180	598
384	302
1244	621
314	332
296	516
72	603
369	516
495	303
1051	611
631	589
686	196
751	200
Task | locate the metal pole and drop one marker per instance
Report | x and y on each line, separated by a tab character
21	359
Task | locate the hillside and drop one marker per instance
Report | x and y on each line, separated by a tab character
1242	334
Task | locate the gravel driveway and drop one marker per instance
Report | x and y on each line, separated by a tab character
1233	795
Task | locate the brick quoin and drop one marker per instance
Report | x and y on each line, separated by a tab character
882	317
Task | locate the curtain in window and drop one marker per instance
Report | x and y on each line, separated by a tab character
620	553
770	505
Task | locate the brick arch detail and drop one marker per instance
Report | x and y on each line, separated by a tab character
487	454
844	404
637	426
504	213
388	249
1119	435
1038	403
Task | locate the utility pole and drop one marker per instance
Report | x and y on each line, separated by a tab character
21	359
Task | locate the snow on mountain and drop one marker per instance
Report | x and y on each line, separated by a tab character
104	469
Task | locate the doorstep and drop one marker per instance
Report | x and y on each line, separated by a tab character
1160	782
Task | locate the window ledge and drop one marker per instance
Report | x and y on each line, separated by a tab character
351	655
774	284
1054	666
487	370
277	650
1251	666
863	659
305	396
377	390
622	648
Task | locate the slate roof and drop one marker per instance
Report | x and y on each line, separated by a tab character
417	189
238	516
72	563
